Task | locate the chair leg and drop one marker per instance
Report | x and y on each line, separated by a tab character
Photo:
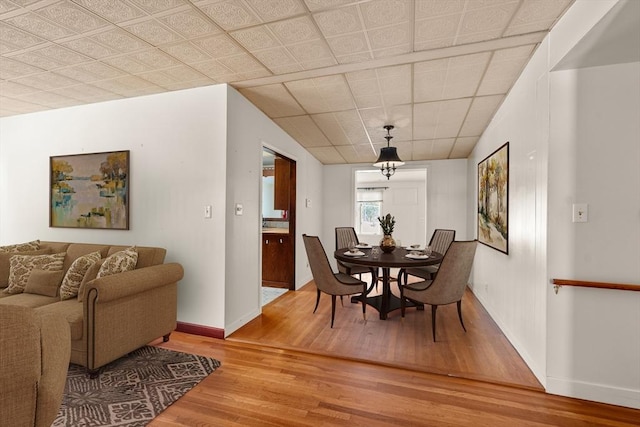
433	321
459	303
341	301
403	303
333	308
364	302
317	301
400	273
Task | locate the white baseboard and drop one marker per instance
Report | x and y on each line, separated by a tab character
594	392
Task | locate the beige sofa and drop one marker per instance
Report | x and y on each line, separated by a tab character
33	366
115	314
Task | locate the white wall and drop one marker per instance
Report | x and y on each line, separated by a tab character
248	130
573	138
446	198
188	149
594	344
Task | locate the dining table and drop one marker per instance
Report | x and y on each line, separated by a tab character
375	258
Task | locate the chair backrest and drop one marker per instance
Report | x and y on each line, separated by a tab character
323	275
453	274
441	239
344	235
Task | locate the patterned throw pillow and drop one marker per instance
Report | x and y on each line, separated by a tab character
91	274
22	265
43	282
75	274
119	262
21	247
5	263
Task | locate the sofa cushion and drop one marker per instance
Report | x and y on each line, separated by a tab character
5	264
29	300
147	256
42	282
22	265
21	247
91	274
119	262
75	274
71	311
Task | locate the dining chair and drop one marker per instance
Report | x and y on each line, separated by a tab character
345	235
329	282
440	241
449	284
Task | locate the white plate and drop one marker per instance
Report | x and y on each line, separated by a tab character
359	253
412	256
363	246
409	248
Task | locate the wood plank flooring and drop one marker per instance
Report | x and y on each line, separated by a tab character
288	368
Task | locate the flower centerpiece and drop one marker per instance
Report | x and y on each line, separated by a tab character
387	222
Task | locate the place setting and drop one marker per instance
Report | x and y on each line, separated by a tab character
418	252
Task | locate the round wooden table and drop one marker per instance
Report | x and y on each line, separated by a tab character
387	302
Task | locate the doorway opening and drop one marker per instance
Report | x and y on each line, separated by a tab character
278	220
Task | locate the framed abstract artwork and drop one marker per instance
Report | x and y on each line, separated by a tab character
493	200
90	191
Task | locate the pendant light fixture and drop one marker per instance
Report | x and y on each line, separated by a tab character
388	159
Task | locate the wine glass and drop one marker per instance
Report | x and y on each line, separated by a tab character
352	246
428	250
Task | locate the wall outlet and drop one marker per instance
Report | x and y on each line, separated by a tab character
239	209
207	211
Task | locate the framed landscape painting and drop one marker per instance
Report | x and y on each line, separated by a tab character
90	191
493	200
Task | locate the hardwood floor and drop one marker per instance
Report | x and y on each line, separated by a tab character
276	372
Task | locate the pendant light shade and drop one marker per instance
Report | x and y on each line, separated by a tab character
388	159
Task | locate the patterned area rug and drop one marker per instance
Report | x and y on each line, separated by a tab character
132	390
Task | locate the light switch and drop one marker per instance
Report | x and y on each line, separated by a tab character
307	202
580	212
207	211
238	209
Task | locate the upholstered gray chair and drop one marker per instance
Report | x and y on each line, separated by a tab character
440	241
329	282
345	235
449	284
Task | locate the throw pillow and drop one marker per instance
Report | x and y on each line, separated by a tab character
91	274
119	262
5	265
75	274
22	265
44	282
21	247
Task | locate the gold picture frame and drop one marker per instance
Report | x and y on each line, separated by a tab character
90	191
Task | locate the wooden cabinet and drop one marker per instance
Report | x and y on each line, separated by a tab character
281	183
277	268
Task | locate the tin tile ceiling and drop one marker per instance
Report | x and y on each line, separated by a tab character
331	73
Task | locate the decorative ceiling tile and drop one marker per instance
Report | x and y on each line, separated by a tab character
381	13
230	14
327	155
295	30
432	149
17	39
156	6
436	32
433	120
212	68
311	51
127	64
342	128
488	18
46	81
318	63
125	85
273	100
322	94
463	147
69	15
396	35
5	7
241	63
120	40
272	10
186	52
438	8
349	44
354	58
303	130
315	5
39	26
90	48
39	61
536	16
155	58
274	58
50	99
482	110
90	72
285	69
504	69
10	69
62	55
339	21
190	24
255	38
13	89
153	32
87	93
362	153
219	46
113	11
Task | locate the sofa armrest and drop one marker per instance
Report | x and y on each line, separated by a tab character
116	286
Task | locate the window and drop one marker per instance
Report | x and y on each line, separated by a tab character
369	207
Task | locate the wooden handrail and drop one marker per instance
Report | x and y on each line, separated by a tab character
602	285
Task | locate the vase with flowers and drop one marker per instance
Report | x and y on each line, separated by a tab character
387	222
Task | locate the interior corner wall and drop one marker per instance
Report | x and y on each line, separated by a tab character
174	139
582	342
248	130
